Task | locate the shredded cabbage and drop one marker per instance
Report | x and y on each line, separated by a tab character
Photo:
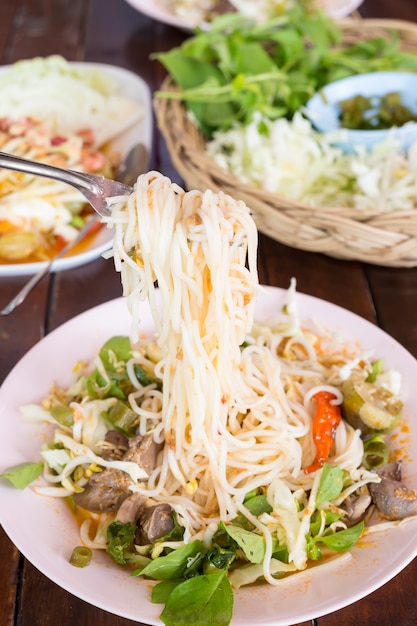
52	89
291	159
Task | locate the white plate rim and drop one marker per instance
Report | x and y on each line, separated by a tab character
131	85
300	599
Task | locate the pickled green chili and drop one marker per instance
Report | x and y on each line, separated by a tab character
81	556
375	452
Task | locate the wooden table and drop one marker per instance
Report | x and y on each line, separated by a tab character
112	31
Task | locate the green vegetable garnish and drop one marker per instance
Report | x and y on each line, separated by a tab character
120	544
375	452
81	556
200	601
238	67
376	113
22	475
331	484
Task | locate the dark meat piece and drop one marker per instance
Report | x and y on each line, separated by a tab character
392	471
114	446
105	491
392	498
144	451
131	508
116	439
356	506
154	522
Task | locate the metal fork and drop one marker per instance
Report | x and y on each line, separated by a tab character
96	189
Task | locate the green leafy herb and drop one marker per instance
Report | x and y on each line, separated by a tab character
162	591
22	475
343	539
251	544
200	601
331	484
174	565
120	538
317	519
238	67
218	558
116	383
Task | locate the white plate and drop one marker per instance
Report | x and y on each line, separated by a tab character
158	10
135	88
53	531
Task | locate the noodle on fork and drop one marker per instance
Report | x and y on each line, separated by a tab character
227	424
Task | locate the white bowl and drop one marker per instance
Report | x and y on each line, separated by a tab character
323	108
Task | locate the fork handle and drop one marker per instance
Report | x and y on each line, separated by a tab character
36	278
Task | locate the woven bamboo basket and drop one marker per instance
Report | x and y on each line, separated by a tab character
388	238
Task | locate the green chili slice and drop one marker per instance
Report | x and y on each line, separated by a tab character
81	556
375	452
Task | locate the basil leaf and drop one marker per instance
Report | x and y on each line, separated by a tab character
253	545
20	476
172	565
200	601
161	591
331	484
343	539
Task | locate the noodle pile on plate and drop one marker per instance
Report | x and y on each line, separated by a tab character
231	418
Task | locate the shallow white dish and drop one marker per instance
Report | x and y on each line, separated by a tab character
157	10
323	108
135	88
54	532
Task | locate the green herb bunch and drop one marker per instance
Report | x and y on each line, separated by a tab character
238	67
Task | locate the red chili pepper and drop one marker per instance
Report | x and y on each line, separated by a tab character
325	422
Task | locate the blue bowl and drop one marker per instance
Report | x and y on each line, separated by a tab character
323	110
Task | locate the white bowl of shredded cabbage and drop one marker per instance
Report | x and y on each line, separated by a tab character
369	108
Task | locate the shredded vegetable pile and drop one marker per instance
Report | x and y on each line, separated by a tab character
67	97
245	84
38	216
291	159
